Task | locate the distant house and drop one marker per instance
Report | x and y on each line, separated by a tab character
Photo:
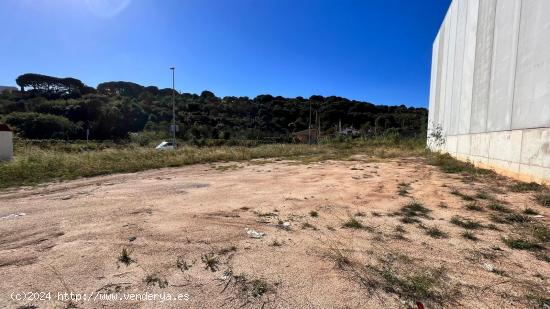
6	143
350	131
8	89
303	136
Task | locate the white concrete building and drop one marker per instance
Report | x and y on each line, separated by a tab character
490	86
6	143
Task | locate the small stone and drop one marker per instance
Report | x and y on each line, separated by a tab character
254	234
489	267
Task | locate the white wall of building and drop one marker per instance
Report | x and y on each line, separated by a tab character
490	86
6	145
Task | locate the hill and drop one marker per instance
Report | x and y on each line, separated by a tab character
65	108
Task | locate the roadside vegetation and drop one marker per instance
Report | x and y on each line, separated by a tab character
42	161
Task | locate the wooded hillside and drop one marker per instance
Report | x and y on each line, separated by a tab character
51	107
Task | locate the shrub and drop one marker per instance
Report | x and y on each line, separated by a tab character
498	207
448	164
526	186
530	211
352	223
469	235
474	207
435	232
467	223
465	197
414	209
541	233
155	279
125	258
35	125
543	199
521	244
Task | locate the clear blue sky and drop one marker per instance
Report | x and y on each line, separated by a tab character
371	50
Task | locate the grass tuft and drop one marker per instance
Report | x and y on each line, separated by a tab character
339	257
448	164
423	284
541	233
307	225
499	207
414	209
435	232
466	223
526	187
464	196
482	195
257	288
400	229
541	300
517	218
156	280
511	218
474	207
403	188
530	211
521	244
469	235
182	264
352	223
210	261
543	199
227	250
125	258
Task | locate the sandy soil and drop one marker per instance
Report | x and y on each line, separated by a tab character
174	221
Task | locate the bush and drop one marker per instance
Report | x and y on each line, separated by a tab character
526	186
147	138
35	125
543	199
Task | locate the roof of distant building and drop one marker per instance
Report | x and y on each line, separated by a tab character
4	127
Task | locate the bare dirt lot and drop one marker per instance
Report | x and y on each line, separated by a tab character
358	233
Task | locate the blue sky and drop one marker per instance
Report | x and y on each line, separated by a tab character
372	50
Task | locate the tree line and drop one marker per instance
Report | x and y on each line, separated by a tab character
50	107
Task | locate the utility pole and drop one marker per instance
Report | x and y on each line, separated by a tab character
319	126
309	127
316	122
173	107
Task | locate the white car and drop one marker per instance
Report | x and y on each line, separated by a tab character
165	146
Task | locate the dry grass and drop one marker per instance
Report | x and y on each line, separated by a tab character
543	199
155	279
448	164
466	223
63	161
436	232
125	258
526	187
352	223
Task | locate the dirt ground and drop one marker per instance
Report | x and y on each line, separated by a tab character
336	236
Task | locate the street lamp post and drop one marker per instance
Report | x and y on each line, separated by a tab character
173	107
309	125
